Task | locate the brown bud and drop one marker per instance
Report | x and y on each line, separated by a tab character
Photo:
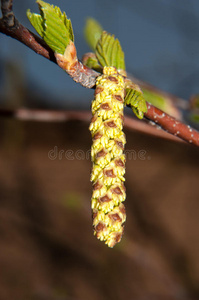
120	144
116	238
97	186
94	118
94	214
105	106
97	136
101	153
114	217
104	199
118	98
117	191
119	163
113	79
100	227
98	90
109	173
111	124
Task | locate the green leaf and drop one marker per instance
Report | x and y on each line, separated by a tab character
36	21
154	98
92	32
109	52
194	117
137	102
92	63
53	26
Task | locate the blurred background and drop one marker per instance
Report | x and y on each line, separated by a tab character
47	248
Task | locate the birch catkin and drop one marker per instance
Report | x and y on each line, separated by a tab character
108	158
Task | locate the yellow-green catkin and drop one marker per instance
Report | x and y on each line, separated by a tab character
108	157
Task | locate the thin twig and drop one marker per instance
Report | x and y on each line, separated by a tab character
171	125
17	31
10	26
7	13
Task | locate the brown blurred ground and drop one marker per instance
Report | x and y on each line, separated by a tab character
47	248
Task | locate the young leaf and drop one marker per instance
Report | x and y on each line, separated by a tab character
53	26
90	60
36	21
194	118
109	52
92	32
137	102
155	99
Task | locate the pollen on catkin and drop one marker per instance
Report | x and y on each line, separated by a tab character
107	154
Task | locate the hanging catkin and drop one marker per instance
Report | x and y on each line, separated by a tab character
108	158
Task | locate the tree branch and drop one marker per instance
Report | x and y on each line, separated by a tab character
171	125
8	15
10	26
